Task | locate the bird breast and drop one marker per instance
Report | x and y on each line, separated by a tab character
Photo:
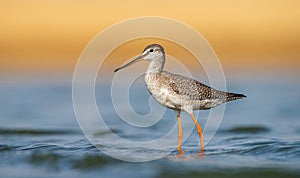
158	86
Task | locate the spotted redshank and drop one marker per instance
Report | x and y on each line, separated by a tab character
178	92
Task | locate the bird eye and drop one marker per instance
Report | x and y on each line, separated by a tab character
151	50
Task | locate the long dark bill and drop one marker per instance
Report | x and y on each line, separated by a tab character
130	63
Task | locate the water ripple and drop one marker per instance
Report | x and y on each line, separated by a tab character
248	129
35	132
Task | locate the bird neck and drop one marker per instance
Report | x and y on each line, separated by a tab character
156	65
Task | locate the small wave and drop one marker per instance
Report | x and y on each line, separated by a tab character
4	131
62	161
4	148
248	129
258	146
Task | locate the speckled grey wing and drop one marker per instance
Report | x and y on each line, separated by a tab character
194	90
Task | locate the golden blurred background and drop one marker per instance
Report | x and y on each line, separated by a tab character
46	38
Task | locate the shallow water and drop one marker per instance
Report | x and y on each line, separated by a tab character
40	137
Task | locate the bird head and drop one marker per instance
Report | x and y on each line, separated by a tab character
150	53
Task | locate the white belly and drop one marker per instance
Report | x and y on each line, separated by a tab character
167	98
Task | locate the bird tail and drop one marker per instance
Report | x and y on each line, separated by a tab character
234	96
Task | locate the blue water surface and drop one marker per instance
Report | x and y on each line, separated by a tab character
40	137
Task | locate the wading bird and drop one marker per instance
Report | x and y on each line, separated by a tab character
178	92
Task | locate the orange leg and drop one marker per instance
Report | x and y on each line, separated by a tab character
199	131
179	133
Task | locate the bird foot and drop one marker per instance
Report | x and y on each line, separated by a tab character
181	152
